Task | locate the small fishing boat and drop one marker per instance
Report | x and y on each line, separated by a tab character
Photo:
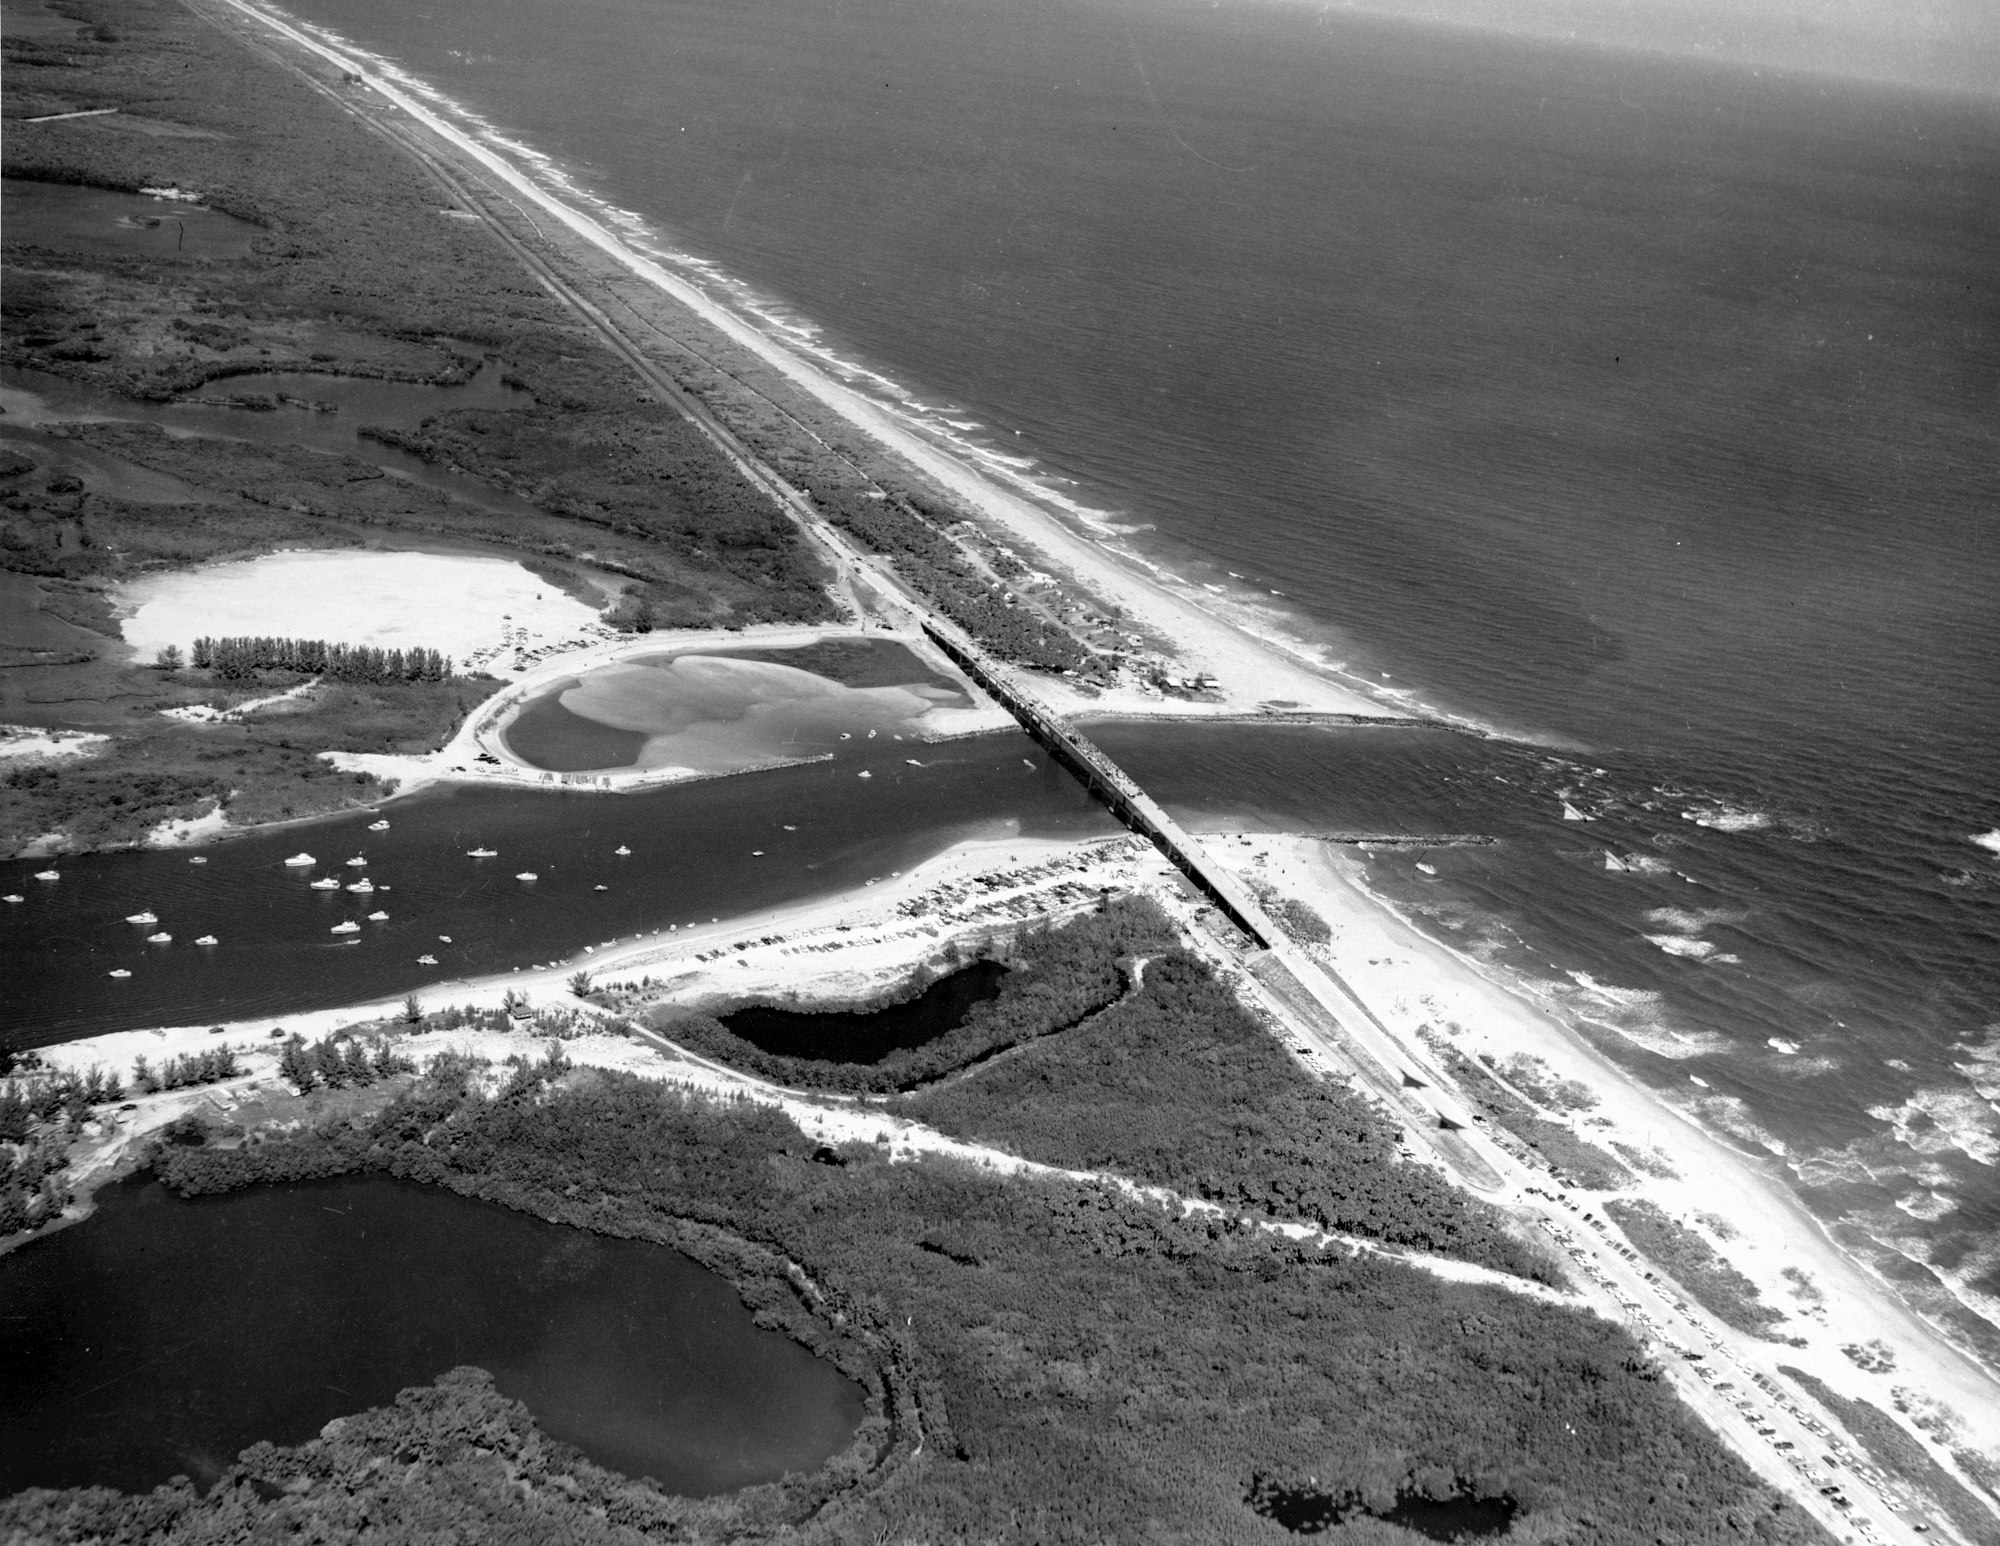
120	972
378	917
298	860
161	938
48	875
357	862
378	826
329	884
362	887
141	918
349	927
208	939
427	960
621	850
526	875
482	853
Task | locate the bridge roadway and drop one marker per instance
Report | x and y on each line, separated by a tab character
1316	1001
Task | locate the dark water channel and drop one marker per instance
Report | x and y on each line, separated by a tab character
164	1336
719	848
869	1036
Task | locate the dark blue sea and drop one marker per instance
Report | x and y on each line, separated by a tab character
1644	412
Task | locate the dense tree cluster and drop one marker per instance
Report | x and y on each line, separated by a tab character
235	658
1177	1084
339	1060
1065	1357
1061	975
206	1067
932	563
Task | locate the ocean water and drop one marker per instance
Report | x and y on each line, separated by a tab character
1642	411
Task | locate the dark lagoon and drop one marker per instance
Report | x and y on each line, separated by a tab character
869	1036
164	1336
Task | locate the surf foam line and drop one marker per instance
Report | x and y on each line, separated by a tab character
926	433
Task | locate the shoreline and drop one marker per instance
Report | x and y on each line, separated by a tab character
1415	981
869	939
1253	671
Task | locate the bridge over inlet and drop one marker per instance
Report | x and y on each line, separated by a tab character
1312	998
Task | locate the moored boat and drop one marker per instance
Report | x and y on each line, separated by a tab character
329	884
119	972
161	938
482	853
146	917
208	939
300	860
526	875
349	927
48	875
378	826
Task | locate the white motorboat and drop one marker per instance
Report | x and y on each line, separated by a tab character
444	939
197	859
141	918
329	884
363	887
51	875
621	850
526	875
10	897
120	972
378	826
208	939
378	917
482	853
161	938
427	960
357	862
349	927
301	860
864	773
